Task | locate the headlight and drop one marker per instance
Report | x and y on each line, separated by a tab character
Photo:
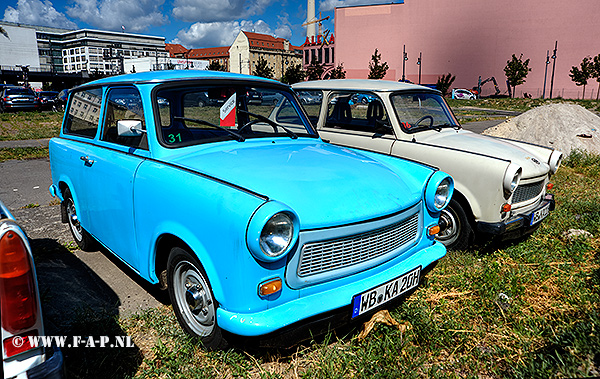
438	191
512	176
554	161
276	235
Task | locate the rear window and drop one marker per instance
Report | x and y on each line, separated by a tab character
19	91
84	113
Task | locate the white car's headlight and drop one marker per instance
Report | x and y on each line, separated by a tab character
554	161
277	235
272	231
439	191
512	177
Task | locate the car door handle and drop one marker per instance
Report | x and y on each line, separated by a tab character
86	159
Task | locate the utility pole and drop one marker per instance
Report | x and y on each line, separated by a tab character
404	59
546	72
419	63
553	66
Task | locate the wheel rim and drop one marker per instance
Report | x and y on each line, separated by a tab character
193	298
452	231
74	220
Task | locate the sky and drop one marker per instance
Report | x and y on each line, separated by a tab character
192	23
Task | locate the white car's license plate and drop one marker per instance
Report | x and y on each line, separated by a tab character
374	297
540	214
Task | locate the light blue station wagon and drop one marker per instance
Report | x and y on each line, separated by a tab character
253	224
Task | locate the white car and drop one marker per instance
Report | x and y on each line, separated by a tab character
463	94
500	184
21	311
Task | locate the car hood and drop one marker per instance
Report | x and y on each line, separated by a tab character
324	184
465	140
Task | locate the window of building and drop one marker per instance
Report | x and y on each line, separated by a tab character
326	55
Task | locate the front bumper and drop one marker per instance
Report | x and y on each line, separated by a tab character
515	226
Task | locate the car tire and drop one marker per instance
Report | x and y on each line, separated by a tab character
458	233
83	239
193	300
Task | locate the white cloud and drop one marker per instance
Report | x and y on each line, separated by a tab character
284	28
209	11
36	12
214	34
136	15
329	5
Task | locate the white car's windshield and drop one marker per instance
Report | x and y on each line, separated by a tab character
422	111
190	115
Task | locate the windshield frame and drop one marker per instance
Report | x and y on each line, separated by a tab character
237	85
444	105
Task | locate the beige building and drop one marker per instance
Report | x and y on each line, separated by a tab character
248	47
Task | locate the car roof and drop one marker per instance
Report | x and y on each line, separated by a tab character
360	84
174	75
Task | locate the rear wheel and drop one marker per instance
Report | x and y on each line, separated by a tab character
83	239
458	233
192	299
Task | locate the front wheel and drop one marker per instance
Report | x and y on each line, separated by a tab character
458	233
83	239
192	299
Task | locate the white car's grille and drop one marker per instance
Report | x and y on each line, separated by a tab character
526	192
323	256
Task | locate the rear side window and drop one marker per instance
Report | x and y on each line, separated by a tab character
84	113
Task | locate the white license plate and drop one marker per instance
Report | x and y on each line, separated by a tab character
375	297
540	214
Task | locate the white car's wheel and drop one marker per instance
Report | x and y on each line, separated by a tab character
458	233
192	299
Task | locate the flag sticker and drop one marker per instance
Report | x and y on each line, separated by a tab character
228	112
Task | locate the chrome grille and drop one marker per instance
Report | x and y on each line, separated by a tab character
526	192
319	257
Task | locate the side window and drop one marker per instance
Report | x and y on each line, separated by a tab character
124	103
311	101
359	111
83	113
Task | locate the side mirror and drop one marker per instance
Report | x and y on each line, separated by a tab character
129	128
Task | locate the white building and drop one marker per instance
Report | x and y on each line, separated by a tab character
161	63
19	48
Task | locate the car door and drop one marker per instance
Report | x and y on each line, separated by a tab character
113	162
356	119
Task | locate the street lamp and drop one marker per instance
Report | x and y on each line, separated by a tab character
405	58
419	64
553	66
546	72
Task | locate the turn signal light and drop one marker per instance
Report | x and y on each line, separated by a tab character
549	186
433	230
18	344
505	208
269	287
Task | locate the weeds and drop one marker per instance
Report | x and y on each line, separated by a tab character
23	153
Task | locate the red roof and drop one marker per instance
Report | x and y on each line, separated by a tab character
265	40
175	49
210	52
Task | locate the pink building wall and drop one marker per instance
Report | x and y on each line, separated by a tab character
469	38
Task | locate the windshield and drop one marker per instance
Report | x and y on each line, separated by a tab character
191	115
422	111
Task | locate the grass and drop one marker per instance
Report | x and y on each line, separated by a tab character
23	153
520	105
526	309
29	125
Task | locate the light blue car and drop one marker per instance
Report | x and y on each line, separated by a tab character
252	222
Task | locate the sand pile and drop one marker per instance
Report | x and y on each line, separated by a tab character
564	127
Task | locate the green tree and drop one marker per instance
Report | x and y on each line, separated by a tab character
377	70
338	72
293	74
315	70
581	74
262	69
516	71
214	65
596	72
444	83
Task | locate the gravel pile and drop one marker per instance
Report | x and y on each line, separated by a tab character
564	127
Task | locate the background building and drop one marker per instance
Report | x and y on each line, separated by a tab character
210	54
248	47
155	64
472	38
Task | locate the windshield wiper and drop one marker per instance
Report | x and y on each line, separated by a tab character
445	125
237	136
268	121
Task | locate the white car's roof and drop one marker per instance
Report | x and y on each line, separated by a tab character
360	84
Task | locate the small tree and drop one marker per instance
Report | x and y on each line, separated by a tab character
595	64
315	70
214	65
262	68
516	71
444	83
293	74
581	74
377	70
338	72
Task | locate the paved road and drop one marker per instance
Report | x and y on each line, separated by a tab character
71	281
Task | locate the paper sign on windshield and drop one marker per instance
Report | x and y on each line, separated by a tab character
228	112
